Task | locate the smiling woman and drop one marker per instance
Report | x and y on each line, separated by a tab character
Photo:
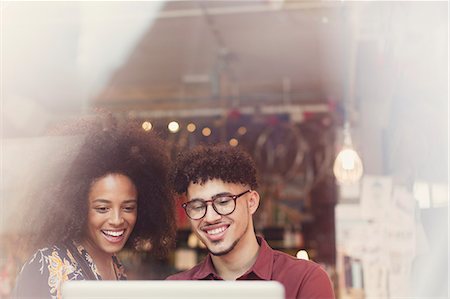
114	192
111	218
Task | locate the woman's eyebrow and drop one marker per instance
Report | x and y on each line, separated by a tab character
130	200
101	200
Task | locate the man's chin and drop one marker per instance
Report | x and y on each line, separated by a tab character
223	251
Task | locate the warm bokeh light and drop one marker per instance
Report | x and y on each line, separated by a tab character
206	131
147	126
302	255
233	142
242	130
191	127
192	241
173	127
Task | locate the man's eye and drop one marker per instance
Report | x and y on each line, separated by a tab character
223	200
196	205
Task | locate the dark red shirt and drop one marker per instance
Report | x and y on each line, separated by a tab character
301	278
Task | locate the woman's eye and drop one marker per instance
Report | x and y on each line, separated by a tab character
129	209
101	209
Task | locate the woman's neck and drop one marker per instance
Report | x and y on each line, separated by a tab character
102	260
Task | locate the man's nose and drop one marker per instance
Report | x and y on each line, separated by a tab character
211	214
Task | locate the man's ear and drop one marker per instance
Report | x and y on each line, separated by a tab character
253	202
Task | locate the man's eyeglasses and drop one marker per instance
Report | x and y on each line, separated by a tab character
223	205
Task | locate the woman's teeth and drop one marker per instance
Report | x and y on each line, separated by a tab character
113	233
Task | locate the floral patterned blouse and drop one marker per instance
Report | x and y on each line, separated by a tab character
42	276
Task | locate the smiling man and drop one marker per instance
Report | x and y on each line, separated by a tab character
220	186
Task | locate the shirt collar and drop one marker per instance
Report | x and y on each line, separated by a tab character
264	262
206	269
262	267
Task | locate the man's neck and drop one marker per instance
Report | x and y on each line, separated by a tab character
235	263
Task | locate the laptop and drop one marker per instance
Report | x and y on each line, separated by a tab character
133	289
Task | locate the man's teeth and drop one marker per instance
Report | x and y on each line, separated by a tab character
113	233
216	231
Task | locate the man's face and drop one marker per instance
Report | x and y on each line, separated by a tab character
222	234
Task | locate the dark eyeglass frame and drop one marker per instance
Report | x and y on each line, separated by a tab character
234	197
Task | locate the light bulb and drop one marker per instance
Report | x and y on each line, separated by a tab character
348	167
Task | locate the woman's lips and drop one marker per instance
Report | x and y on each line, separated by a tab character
114	236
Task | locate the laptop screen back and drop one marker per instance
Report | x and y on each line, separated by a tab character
252	289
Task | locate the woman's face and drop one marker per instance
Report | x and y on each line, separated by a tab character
112	214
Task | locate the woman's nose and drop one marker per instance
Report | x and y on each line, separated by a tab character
116	218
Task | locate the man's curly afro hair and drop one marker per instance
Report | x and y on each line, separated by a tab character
207	162
127	150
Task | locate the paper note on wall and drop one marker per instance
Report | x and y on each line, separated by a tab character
375	197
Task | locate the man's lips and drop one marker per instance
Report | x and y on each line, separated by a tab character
215	232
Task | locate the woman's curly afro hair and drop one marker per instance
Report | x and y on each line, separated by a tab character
204	163
126	150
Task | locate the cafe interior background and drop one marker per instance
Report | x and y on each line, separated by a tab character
343	105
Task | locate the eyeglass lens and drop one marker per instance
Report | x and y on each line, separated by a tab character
223	205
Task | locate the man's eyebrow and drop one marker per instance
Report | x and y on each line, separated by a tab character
214	196
221	194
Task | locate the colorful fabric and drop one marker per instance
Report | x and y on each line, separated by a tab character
43	274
